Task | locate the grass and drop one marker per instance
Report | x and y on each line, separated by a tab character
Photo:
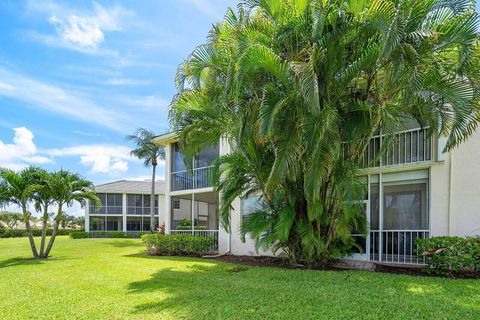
115	279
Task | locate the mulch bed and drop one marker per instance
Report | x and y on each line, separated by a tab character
263	261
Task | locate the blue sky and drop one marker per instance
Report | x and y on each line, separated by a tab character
77	76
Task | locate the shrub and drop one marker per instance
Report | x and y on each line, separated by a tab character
2	230
107	234
451	255
177	244
79	235
18	233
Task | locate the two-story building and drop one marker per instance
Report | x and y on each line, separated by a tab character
414	191
125	206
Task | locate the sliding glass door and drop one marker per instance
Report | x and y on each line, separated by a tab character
399	211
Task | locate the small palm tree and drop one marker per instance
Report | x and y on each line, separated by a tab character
68	188
19	188
150	153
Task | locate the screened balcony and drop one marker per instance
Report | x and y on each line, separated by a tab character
408	147
139	204
112	204
198	174
195	214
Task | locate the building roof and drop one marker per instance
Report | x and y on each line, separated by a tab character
126	186
166	138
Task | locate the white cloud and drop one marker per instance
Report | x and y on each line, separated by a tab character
21	152
80	28
104	159
151	102
207	7
56	99
100	159
127	82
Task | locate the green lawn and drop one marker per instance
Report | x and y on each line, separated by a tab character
115	279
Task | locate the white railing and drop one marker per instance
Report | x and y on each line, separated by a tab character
115	210
201	233
133	210
409	146
196	179
396	246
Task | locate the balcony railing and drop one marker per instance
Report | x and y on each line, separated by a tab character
202	233
114	210
409	146
133	210
396	246
185	180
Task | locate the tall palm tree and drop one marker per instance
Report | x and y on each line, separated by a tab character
305	84
68	188
18	188
150	153
43	199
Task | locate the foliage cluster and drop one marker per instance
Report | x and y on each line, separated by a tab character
177	244
299	87
451	255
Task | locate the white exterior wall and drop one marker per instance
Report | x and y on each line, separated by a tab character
455	191
465	188
454	198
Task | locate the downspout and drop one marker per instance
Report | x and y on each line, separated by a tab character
450	183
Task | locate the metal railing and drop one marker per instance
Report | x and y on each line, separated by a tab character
114	210
201	233
409	146
196	179
133	210
396	246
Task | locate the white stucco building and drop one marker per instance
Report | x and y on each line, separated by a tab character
415	191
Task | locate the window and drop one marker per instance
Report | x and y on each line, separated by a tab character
404	201
405	206
111	204
176	204
178	159
140	204
206	157
249	205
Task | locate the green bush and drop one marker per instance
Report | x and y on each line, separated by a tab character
451	255
177	244
2	230
186	224
79	235
107	234
19	233
190	228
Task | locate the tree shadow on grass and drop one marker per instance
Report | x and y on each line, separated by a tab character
124	243
211	291
13	262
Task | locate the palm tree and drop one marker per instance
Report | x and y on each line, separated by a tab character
18	188
68	188
298	88
43	199
150	153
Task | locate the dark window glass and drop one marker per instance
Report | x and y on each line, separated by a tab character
178	159
206	157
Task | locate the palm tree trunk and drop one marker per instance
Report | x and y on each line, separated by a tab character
26	219
44	230
152	200
54	231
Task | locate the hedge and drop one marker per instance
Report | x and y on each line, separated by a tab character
107	234
177	244
451	255
19	233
